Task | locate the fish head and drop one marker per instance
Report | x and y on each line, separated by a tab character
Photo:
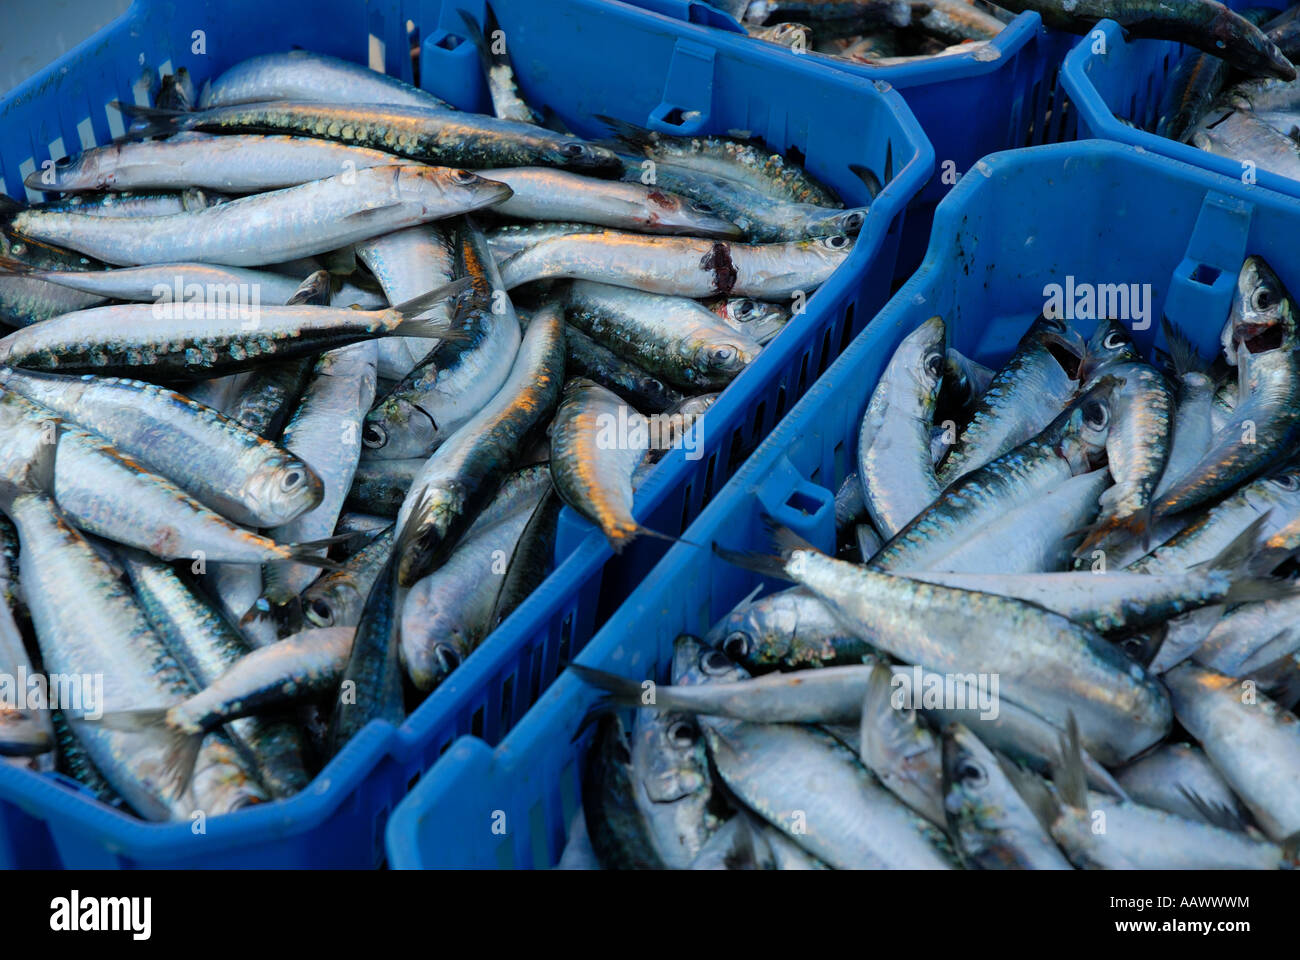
975	793
847	223
669	756
399	429
82	172
438	187
1082	430
324	605
723	359
758	634
760	319
695	662
925	352
283	488
683	213
1263	316
1109	345
24	733
1246	46
579	155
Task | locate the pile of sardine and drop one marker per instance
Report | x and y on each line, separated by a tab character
1239	116
274	418
889	32
1062	629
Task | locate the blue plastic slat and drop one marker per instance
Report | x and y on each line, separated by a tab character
1096	211
577	59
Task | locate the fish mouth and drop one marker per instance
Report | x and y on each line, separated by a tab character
1259	337
1070	354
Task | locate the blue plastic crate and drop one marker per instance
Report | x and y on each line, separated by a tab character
968	104
1098	211
1126	82
580	58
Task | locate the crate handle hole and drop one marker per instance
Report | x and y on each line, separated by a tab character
1206	274
803	503
449	41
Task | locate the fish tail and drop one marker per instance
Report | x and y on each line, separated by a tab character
760	563
314	290
150	121
1182	352
8	265
129	721
629	133
434	328
869	179
602	708
180	759
622	691
475	34
1109	530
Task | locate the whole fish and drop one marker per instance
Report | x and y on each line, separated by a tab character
23	300
507	104
668	336
540	193
222	464
458	378
236	164
682	266
466	470
163	340
894	439
294	222
429	135
1006	416
900	749
304	75
621	836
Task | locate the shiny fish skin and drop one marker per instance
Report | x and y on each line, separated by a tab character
467	469
25	301
592	477
1046	663
325	432
380	486
682	266
338	597
762	321
198	339
130	206
1062	450
206	646
235	472
295	222
901	750
1005	415
407	263
668	336
236	164
510	238
1255	745
541	193
894	461
428	135
584	357
458	378
787	630
304	75
672	784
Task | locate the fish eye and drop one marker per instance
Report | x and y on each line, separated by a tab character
714	663
836	242
572	149
1095	414
374	436
1262	298
743	308
291	480
853	222
464	176
736	645
971	774
63	162
1287	481
934	364
1114	341
683	733
447	657
322	612
722	354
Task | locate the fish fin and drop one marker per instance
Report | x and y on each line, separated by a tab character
178	763
1182	352
760	563
1070	778
1217	814
314	290
656	535
869	179
1032	790
1280	679
875	701
629	133
1291	849
149	122
475	35
595	713
36	474
1136	526
8	265
410	310
305	553
129	721
622	691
